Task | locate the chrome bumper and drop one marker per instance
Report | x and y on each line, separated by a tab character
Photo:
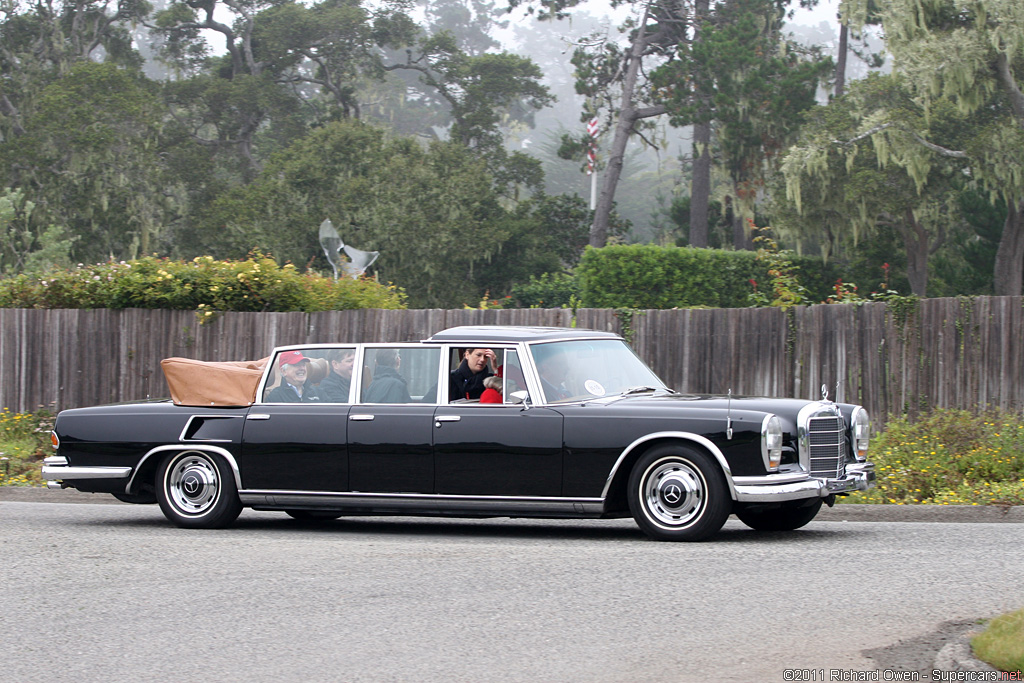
778	488
56	470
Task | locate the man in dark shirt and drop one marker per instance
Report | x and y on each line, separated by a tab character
388	385
335	387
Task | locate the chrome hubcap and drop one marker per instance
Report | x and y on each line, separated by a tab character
673	493
193	484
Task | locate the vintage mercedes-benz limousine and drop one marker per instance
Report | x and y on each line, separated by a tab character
473	422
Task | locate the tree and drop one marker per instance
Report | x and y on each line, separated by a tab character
753	84
88	162
432	213
43	43
968	53
482	92
849	183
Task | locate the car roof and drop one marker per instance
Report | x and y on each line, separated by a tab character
494	334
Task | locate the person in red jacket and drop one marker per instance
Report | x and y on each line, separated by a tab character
492	392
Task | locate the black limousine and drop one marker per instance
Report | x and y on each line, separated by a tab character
472	422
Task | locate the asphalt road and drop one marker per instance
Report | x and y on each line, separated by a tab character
113	592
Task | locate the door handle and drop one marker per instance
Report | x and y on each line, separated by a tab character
446	418
361	418
257	416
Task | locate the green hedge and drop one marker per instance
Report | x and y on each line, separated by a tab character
646	276
203	284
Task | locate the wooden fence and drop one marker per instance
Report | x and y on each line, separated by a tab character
965	353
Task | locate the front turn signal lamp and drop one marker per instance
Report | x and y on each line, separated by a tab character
860	425
771	442
54	441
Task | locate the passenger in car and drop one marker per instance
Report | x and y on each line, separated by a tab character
335	387
492	393
553	366
388	385
294	368
467	380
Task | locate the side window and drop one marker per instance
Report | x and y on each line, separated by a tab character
406	374
511	373
480	375
317	375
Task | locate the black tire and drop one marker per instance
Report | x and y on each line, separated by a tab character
784	518
312	515
196	490
677	493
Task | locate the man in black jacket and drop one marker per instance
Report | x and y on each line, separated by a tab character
388	385
335	387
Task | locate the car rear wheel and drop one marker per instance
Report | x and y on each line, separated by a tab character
785	518
677	493
196	490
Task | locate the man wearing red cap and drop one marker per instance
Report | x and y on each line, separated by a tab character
294	368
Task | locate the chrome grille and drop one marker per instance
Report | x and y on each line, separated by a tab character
826	439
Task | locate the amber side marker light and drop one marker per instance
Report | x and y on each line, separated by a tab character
54	440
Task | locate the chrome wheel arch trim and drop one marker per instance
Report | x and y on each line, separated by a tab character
205	448
703	441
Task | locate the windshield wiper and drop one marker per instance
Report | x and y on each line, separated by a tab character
638	390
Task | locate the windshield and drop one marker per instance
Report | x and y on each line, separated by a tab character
575	370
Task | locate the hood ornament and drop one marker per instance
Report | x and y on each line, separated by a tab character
824	392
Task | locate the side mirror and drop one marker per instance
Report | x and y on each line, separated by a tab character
519	397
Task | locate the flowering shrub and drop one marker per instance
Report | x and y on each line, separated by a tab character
24	442
786	289
950	457
203	284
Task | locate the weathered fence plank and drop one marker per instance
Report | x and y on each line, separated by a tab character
961	353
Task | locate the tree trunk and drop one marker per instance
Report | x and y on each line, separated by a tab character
1009	268
700	186
915	242
628	115
844	38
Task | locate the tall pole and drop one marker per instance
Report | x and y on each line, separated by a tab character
592	127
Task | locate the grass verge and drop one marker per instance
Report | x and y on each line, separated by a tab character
1001	644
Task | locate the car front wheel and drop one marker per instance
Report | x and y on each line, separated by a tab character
677	493
196	490
784	518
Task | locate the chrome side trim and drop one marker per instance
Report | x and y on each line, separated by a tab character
771	479
62	472
686	436
414	502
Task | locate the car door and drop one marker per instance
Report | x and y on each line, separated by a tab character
390	427
299	445
492	449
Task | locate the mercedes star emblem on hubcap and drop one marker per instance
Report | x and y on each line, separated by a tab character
190	484
673	494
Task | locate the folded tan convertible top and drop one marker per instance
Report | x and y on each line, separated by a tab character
203	383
